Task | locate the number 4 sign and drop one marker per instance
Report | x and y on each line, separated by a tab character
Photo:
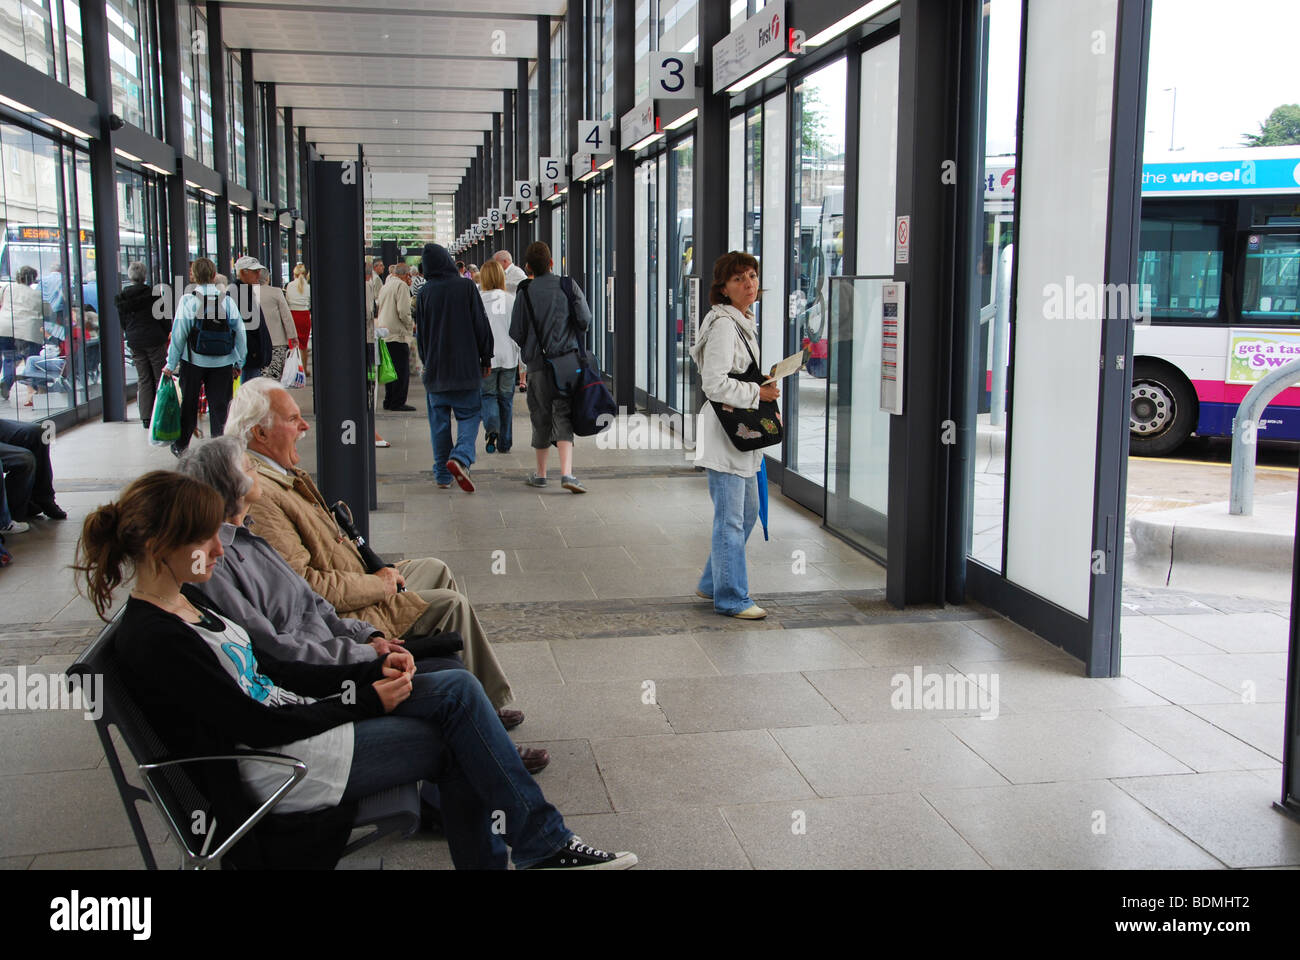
593	137
672	76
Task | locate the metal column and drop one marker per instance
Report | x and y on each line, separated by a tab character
525	236
544	121
290	179
508	167
252	141
273	148
174	134
575	245
623	367
220	134
103	194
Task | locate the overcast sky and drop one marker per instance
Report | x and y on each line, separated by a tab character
1232	63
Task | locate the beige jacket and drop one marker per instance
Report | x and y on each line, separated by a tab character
395	310
292	516
276	312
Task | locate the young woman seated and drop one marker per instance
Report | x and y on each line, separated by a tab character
360	728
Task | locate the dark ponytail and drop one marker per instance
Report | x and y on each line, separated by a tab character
156	513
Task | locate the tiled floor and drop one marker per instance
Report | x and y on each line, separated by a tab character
704	742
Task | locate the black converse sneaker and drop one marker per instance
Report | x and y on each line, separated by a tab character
576	855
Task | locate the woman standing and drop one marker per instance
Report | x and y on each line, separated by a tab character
728	345
499	385
146	331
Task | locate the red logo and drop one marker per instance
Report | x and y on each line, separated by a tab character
776	25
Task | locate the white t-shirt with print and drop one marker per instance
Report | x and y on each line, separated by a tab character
328	755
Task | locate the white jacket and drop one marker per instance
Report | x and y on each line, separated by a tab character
500	306
296	300
22	312
718	351
514	276
275	310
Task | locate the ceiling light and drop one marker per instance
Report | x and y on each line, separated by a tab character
864	12
210	193
68	128
129	156
589	175
684	119
157	169
191	183
760	74
642	144
606	165
21	107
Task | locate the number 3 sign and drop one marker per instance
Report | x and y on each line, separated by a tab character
672	76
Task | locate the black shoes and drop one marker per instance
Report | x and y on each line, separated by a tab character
47	507
491	442
404	408
577	855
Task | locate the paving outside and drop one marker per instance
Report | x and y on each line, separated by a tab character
704	742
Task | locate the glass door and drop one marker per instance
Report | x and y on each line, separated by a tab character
817	251
681	267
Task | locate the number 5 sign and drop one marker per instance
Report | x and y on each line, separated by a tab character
593	137
552	170
672	76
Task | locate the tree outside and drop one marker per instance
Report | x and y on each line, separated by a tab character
1281	128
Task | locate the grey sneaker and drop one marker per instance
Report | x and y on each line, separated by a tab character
572	484
535	481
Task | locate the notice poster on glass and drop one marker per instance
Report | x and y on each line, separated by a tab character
893	308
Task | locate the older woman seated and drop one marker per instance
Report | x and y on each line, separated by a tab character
280	611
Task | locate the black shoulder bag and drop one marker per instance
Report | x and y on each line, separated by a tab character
754	428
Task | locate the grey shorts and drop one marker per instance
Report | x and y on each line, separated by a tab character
551	415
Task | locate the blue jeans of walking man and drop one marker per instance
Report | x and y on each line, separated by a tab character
467	406
735	511
448	732
499	405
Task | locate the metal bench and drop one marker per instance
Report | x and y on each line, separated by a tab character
177	796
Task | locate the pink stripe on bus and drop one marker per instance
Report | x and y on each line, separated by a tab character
1216	391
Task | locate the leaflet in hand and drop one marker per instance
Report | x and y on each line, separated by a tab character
791	364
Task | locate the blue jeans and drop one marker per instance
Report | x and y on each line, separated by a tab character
467	405
448	732
735	511
499	405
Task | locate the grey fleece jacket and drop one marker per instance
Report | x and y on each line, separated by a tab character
282	614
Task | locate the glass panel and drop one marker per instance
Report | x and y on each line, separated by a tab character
988	315
678	25
644	261
189	100
194	225
736	186
235	98
76	78
659	321
819	118
858	452
752	232
27	34
559	77
682	265
1272	291
124	61
1180	267
203	70
84	339
771	332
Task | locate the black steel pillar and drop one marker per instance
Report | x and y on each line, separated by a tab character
103	194
623	367
174	134
508	166
338	299
544	121
575	247
252	142
524	236
273	148
220	132
290	180
304	156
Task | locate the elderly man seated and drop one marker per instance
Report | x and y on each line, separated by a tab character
293	517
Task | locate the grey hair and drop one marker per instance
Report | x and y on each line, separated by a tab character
252	407
136	272
503	257
401	269
219	462
264	274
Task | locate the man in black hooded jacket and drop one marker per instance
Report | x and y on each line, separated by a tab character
455	341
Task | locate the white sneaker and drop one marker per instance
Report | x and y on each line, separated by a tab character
16	526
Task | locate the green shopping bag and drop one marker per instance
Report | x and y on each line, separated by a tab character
165	428
387	372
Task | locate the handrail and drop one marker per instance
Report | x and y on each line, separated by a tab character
1245	429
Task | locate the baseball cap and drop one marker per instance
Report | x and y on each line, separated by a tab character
247	263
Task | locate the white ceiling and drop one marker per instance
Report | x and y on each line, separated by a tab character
414	83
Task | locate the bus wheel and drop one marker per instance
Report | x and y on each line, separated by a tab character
1162	409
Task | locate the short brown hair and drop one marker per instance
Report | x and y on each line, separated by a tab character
204	270
537	258
492	277
726	267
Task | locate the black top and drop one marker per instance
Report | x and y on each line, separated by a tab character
198	709
451	326
135	309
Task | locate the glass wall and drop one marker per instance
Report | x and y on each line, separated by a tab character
37	33
818	117
48	295
134	76
235	128
681	265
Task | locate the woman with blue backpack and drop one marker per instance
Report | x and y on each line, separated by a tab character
208	348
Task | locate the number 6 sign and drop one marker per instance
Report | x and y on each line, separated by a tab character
672	76
525	193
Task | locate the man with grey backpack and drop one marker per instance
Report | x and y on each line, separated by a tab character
550	322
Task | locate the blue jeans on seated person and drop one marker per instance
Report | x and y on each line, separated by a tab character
448	732
467	405
735	511
499	405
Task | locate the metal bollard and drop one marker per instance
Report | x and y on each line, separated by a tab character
1245	428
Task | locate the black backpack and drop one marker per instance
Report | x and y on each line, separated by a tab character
211	335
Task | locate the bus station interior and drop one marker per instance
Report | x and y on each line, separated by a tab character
983	514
